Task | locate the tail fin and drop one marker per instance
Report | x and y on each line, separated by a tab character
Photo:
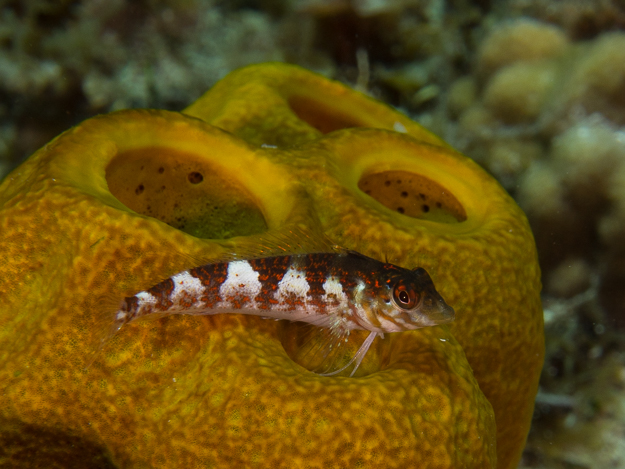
111	319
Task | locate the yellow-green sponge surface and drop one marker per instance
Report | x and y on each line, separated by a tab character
124	200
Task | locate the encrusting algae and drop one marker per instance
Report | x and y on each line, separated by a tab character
124	200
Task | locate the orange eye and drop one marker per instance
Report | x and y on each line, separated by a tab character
405	297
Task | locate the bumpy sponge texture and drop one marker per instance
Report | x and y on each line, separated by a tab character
91	217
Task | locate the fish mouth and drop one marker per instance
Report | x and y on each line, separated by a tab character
434	310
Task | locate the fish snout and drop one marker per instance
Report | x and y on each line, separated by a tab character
434	310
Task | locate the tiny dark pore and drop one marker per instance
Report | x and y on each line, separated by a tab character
195	177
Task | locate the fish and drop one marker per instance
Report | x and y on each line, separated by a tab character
338	291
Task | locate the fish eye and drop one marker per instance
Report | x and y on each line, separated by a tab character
404	297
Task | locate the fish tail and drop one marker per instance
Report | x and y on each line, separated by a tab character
122	316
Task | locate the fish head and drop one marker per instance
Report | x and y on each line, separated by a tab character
410	301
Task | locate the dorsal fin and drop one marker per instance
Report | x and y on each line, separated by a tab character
292	239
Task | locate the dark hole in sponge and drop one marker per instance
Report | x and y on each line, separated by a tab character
195	177
322	116
30	445
302	344
170	191
413	195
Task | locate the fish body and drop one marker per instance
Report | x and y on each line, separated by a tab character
340	291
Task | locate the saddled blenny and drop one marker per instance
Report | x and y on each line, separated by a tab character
339	291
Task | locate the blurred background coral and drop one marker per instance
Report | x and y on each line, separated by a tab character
533	90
